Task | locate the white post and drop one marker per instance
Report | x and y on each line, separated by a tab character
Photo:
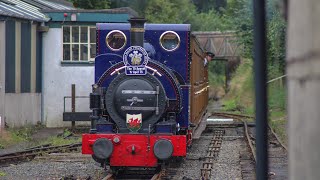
303	68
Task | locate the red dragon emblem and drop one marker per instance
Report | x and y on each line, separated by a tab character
134	122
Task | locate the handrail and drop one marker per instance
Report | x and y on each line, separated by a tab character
276	78
65	97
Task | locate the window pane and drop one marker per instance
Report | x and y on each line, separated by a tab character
84	34
75	34
170	40
116	40
66	52
75	52
66	34
92	35
92	50
84	52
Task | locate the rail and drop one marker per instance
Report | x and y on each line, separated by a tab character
30	153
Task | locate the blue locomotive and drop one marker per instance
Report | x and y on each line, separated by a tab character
150	93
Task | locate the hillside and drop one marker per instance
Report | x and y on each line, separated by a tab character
240	98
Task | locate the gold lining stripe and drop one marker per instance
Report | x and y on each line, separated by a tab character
137	29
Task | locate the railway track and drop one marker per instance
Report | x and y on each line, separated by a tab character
242	117
162	173
277	150
31	153
212	153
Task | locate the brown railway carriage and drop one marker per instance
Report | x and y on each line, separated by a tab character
198	81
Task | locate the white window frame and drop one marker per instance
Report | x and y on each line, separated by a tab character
78	43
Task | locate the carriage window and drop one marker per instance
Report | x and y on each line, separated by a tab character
116	40
169	40
79	43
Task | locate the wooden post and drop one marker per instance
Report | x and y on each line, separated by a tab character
73	103
303	69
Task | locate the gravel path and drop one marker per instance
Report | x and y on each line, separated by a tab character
44	170
190	167
228	164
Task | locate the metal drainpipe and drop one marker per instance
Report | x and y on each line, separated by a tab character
260	62
42	79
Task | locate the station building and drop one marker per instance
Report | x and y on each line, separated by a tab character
45	46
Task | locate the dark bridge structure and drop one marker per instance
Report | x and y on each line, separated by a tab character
226	48
223	44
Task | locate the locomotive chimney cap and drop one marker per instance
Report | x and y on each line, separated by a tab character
137	21
137	24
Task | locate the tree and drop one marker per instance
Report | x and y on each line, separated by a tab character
204	6
169	11
138	5
91	4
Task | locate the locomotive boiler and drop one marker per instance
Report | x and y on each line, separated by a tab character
150	93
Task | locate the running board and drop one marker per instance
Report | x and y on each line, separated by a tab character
200	128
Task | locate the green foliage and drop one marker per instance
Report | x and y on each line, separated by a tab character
230	105
242	14
243	24
2	174
9	138
279	127
276	40
66	133
204	6
210	21
183	11
138	5
24	133
242	90
277	97
169	11
91	4
56	141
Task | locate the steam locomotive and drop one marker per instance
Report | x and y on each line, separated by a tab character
150	93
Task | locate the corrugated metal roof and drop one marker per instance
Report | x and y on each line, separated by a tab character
29	9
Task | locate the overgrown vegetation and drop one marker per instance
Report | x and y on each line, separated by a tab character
241	99
62	139
11	137
2	174
16	135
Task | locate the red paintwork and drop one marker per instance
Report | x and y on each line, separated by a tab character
143	157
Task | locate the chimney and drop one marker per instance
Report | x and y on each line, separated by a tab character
137	31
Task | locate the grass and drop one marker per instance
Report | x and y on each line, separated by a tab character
216	75
241	98
10	137
277	110
57	141
2	174
13	136
61	139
